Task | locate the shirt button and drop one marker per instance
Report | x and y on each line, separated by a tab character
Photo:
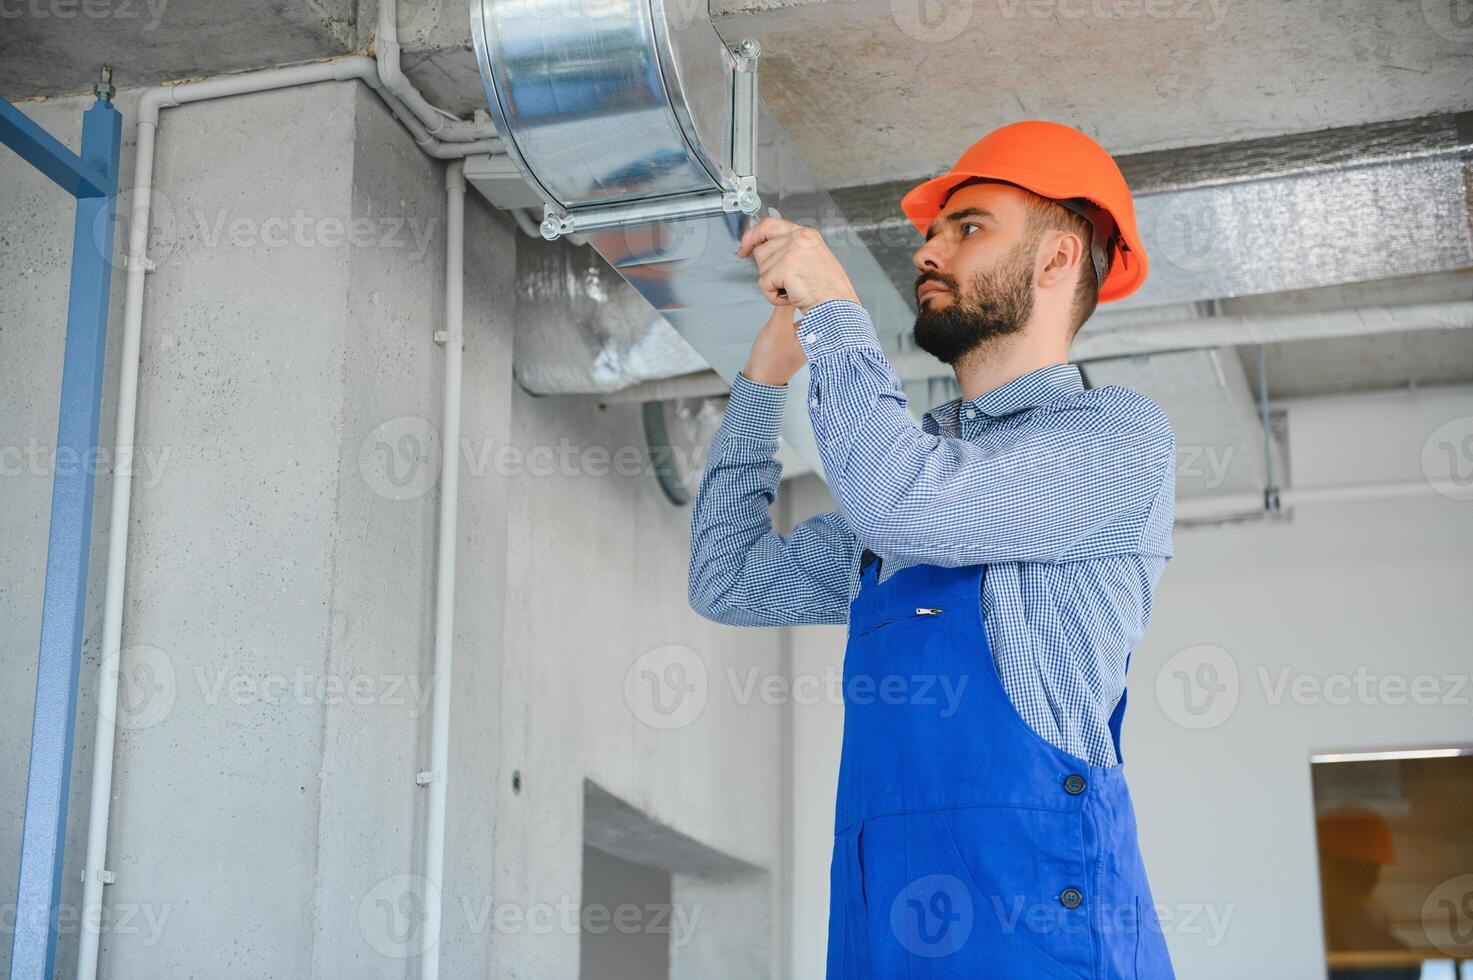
971	413
813	402
1074	784
1070	898
810	337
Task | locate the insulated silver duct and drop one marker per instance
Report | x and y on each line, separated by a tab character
642	131
1270	215
581	328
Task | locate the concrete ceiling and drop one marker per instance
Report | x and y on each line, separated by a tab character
874	90
877	94
868	90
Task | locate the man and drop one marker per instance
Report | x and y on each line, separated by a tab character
995	566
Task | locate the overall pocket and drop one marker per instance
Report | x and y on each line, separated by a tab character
1031	884
921	613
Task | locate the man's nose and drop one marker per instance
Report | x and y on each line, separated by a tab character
930	257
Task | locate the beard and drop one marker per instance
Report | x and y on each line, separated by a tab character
1000	303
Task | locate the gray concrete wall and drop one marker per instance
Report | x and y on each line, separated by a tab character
278	616
609	677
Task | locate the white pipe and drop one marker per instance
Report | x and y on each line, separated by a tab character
338	69
525	222
1227	331
117	554
1243	504
1218	331
436	122
439	770
149	106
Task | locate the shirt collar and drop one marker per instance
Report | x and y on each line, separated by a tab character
1027	391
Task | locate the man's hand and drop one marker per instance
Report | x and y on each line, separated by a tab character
795	259
776	354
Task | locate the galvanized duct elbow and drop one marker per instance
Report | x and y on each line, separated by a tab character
581	328
642	132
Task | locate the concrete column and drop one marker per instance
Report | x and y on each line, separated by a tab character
280	577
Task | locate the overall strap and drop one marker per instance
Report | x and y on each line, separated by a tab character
1118	715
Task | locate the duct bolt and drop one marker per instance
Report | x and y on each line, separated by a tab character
103	88
551	228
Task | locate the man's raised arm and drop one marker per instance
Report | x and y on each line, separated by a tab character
1034	496
742	572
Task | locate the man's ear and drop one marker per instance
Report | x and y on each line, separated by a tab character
1063	253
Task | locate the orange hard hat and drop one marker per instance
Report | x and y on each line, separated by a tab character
1060	163
1355	833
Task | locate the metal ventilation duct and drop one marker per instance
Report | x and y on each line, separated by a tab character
642	131
582	329
1270	215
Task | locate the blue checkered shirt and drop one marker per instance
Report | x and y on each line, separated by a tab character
1066	494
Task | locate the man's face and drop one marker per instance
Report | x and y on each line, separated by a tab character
980	253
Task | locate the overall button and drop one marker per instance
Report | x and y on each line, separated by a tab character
1070	898
1074	784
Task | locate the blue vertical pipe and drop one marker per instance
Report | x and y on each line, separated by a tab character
33	951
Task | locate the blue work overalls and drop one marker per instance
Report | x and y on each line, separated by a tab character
965	844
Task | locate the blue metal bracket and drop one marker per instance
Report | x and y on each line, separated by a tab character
47	154
92	178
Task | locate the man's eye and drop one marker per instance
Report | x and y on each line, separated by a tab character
969	224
